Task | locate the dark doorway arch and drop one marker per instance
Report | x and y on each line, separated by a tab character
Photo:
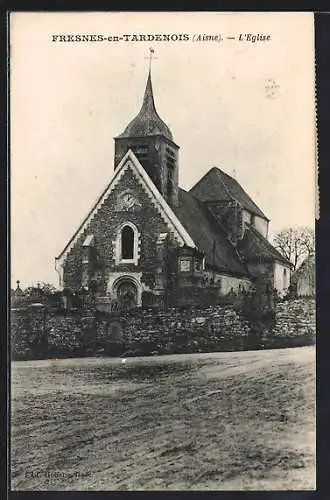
127	294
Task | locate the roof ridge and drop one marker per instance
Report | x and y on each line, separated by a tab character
240	187
223	172
219	171
202	178
229	186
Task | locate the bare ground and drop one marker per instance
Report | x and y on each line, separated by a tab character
220	421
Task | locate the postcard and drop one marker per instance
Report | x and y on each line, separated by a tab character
163	200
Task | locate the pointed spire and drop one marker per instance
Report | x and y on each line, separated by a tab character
148	105
147	122
148	100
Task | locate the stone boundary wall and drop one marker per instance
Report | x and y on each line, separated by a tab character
38	333
186	330
295	317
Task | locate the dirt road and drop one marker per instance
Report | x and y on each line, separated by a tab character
199	421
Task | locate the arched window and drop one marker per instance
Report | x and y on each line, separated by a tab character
127	243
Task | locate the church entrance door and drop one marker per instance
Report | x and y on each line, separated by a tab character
127	294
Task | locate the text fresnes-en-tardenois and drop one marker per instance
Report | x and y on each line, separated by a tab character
164	37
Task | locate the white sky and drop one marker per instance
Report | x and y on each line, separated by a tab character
68	101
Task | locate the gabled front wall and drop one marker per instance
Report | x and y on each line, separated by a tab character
105	225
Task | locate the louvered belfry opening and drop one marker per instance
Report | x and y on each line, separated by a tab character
142	154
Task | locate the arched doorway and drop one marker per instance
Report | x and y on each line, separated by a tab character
127	294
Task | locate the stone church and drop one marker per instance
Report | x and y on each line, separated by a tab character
147	242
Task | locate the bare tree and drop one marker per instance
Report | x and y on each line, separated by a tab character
295	244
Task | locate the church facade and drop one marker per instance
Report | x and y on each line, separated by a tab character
147	242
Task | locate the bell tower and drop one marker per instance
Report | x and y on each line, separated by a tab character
152	142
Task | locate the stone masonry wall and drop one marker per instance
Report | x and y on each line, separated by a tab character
104	227
295	317
40	334
186	330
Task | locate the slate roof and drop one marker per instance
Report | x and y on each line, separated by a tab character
204	230
256	247
217	185
147	122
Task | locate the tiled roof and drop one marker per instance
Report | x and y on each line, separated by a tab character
147	122
217	185
256	247
204	230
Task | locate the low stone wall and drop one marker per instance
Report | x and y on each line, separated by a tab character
295	324
185	330
40	333
295	317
